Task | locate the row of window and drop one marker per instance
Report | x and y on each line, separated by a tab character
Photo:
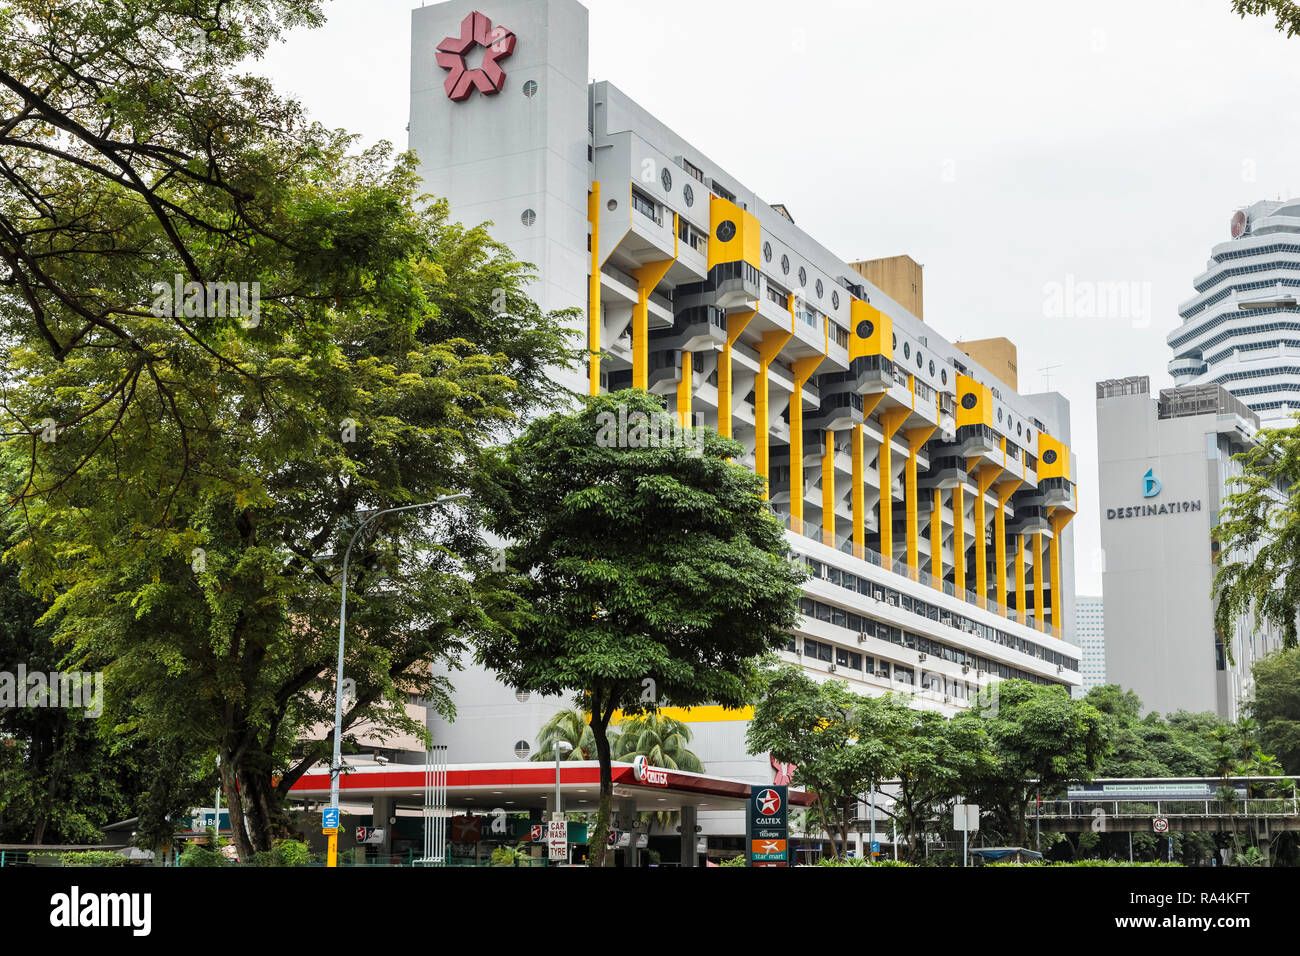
1237	287
889	596
1247	270
906	639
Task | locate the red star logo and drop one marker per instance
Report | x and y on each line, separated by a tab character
498	43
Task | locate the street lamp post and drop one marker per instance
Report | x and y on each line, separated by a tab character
336	763
560	747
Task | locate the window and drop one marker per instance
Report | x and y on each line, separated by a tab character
847	658
646	207
767	252
785	265
666	178
688	195
817	650
803	277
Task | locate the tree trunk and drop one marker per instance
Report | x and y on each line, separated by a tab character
235	807
598	845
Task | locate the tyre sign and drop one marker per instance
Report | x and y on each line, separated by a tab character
1160	824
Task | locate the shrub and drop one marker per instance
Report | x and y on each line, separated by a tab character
197	855
858	861
734	861
93	858
284	853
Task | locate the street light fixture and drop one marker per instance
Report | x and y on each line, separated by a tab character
335	765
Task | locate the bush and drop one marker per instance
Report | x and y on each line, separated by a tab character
734	861
197	855
93	858
858	861
284	853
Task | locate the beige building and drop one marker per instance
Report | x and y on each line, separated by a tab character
899	277
997	355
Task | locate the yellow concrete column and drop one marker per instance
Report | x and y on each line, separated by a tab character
800	370
736	322
593	290
1038	580
936	539
916	438
1020	579
828	489
1004	492
684	388
769	347
859	496
959	540
1059	519
890	422
647	278
984	478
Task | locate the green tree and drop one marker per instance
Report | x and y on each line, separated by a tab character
574	728
1041	740
1276	706
1286	12
1259	540
651	573
841	743
660	739
935	757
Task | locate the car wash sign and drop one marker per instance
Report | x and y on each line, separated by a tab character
767	826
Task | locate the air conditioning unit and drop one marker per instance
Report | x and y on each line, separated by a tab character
946	619
832	668
921	656
965	668
947	699
893	601
1059	668
862	637
826	574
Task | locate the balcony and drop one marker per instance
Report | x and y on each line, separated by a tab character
697	328
840	408
1028	519
872	374
975	441
1056	491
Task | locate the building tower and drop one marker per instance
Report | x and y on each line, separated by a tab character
1241	330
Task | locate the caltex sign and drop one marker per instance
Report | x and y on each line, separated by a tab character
767	826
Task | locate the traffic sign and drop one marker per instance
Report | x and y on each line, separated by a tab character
875	848
557	839
330	818
1160	824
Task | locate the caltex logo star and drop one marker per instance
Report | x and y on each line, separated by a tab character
497	42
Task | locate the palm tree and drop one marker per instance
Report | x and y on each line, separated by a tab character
572	726
661	740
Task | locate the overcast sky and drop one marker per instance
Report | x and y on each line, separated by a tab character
1012	147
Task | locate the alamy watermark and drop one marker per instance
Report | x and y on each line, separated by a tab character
1087	299
212	300
56	689
641	430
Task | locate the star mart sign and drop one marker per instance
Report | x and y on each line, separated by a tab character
476	31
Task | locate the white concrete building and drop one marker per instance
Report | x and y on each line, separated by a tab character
1241	330
930	501
1090	637
1165	467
